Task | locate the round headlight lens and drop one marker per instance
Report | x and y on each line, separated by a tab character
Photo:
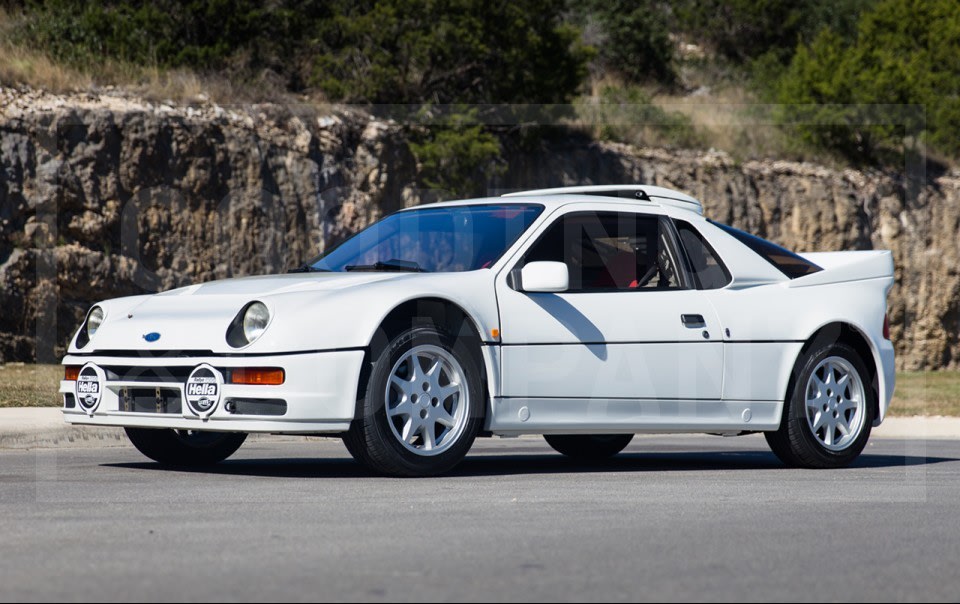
255	321
94	320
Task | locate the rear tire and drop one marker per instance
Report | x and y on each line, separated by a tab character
186	448
829	411
588	447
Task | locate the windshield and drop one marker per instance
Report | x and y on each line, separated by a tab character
447	239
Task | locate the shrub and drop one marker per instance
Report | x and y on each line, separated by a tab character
450	51
906	53
379	51
236	35
744	30
457	156
635	40
626	114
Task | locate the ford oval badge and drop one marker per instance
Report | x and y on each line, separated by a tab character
151	337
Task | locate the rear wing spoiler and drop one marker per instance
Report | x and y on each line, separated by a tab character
840	267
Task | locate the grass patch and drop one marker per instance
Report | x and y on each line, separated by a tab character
627	114
918	392
927	393
23	385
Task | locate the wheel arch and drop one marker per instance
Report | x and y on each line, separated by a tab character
443	314
846	333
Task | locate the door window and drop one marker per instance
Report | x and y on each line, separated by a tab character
610	251
703	263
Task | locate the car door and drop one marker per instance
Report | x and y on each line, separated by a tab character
758	350
630	328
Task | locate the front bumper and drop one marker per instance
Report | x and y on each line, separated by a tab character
319	393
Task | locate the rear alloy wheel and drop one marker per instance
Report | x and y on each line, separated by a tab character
185	447
422	407
588	447
828	415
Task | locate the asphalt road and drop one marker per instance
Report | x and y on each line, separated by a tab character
684	518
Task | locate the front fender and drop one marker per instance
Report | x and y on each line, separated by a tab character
349	318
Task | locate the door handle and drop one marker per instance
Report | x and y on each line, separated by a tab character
693	321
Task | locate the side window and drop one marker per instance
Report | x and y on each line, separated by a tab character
607	251
707	270
790	264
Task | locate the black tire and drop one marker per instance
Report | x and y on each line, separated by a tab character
588	447
795	443
354	447
185	449
371	440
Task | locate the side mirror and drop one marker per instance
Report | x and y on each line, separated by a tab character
545	277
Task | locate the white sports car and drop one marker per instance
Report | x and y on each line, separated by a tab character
586	314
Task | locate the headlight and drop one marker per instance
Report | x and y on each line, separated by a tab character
94	319
90	326
255	321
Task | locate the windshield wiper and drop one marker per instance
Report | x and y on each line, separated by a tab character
306	268
406	266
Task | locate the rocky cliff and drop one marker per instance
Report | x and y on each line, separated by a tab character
107	195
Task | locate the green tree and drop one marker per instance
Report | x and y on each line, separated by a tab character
457	156
860	97
242	35
635	39
744	30
380	51
449	51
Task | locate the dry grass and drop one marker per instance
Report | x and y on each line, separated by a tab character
927	393
30	385
731	120
20	65
918	392
723	112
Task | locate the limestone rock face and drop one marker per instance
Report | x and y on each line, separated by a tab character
104	196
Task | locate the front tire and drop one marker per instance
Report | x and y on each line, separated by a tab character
829	412
588	447
422	408
186	448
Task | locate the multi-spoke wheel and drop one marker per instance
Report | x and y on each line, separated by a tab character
422	407
836	403
185	447
828	415
427	400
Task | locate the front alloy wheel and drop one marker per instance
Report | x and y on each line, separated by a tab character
422	406
427	400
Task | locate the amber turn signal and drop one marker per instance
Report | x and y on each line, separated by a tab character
71	372
263	376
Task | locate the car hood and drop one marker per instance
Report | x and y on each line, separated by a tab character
267	285
196	318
